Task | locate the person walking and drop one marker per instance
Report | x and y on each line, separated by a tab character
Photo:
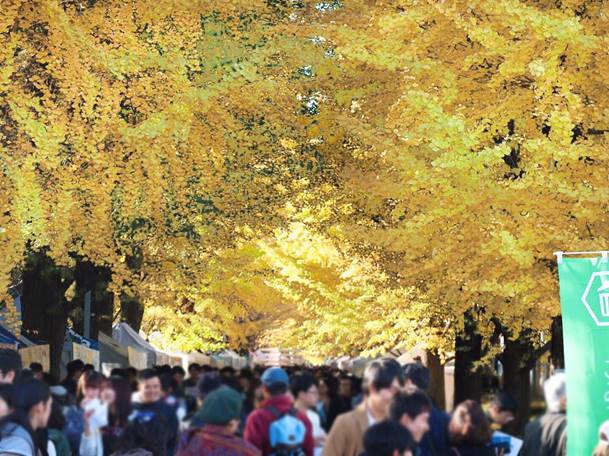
412	410
32	408
388	438
220	412
152	407
435	441
469	431
382	380
547	436
290	428
303	387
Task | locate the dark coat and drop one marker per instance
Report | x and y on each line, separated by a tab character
435	441
546	436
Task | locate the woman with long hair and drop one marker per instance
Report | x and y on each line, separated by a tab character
31	410
95	413
116	394
469	431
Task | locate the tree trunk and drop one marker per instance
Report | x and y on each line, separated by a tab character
132	311
516	380
468	349
436	386
94	279
557	348
44	306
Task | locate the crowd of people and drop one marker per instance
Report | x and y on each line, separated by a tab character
165	411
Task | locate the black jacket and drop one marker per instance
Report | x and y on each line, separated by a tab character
165	414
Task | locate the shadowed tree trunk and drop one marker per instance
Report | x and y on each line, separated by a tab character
45	308
517	381
468	350
557	353
436	386
132	311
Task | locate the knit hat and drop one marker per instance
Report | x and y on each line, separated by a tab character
221	406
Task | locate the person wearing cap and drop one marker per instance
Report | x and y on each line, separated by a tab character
221	412
275	383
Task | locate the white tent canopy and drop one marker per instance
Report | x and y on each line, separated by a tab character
126	336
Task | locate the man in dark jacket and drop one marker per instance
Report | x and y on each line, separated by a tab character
152	407
547	436
435	441
275	382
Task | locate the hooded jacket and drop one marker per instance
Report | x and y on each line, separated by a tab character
15	440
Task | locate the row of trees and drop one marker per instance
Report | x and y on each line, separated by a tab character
342	178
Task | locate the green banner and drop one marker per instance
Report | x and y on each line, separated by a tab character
584	298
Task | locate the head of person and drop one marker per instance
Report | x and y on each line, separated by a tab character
89	386
303	387
503	409
7	392
222	407
149	386
37	371
194	370
131	374
75	368
416	376
31	405
328	387
555	393
602	449
208	382
275	382
603	432
168	384
227	372
143	433
469	425
345	386
412	411
382	380
10	365
388	438
178	374
246	379
117	394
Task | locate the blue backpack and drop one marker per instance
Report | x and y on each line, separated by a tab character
286	433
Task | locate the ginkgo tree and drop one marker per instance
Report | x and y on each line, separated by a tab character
143	139
374	174
475	149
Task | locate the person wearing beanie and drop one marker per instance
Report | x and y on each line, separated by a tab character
276	405
207	384
220	412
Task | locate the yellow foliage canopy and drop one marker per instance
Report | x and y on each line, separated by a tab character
359	174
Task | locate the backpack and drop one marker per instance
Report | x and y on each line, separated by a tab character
286	433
